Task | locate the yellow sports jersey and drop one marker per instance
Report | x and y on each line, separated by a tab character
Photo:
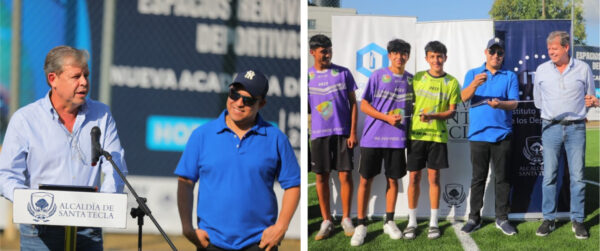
432	95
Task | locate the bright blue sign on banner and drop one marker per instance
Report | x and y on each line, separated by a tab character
170	133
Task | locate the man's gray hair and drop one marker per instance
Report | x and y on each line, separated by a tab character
55	59
565	39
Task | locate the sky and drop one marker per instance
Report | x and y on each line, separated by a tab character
437	10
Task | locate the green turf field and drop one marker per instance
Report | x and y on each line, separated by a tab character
592	151
486	238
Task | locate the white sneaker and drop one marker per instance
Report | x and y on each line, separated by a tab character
347	226
359	235
326	228
392	230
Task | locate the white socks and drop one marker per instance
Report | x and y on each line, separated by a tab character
433	221
412	217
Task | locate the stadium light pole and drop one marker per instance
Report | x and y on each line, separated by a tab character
15	57
106	55
10	231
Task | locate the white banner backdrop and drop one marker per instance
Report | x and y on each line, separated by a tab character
466	41
360	43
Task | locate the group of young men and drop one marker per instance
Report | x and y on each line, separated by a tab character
405	130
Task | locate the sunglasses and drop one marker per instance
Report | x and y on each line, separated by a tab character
497	51
248	101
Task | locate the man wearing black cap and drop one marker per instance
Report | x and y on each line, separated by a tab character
493	93
235	159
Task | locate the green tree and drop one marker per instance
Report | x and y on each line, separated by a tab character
532	9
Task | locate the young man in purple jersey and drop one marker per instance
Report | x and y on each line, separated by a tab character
332	104
387	99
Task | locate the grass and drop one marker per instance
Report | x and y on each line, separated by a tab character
592	151
375	239
486	238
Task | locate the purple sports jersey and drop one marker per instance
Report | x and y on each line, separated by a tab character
328	101
388	93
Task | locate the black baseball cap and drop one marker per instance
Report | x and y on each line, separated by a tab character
253	81
495	41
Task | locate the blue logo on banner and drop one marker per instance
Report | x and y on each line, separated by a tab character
41	206
170	133
371	58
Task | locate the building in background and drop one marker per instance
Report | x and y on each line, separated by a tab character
319	19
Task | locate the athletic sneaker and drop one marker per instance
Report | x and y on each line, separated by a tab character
326	228
392	230
546	227
471	226
360	232
505	226
347	226
579	230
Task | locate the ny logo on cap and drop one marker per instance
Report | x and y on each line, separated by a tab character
249	75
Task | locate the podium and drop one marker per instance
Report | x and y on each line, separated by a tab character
70	209
74	208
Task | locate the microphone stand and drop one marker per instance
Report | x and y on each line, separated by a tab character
142	208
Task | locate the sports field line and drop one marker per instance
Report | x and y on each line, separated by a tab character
465	239
311	184
591	182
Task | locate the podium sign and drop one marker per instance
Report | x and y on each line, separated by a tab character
63	208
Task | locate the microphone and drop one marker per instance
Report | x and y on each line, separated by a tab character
96	149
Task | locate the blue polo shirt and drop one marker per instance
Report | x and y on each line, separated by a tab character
236	201
486	123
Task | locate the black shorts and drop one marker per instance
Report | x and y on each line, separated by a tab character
434	154
331	153
393	160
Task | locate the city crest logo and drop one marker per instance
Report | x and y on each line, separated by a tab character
311	75
454	194
41	206
534	150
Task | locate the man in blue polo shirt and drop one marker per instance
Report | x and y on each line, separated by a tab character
235	159
493	93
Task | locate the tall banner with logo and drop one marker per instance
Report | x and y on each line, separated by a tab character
525	43
591	55
363	50
172	65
